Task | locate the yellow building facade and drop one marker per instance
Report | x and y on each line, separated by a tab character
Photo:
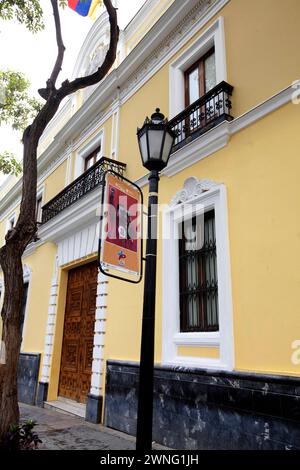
227	375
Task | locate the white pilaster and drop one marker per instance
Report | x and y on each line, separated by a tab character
99	337
49	337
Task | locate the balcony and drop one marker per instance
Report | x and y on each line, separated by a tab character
202	115
84	184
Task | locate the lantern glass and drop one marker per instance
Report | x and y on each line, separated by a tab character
155	141
156	137
168	144
143	147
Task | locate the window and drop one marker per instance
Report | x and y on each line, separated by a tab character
39	202
200	77
89	153
197	304
198	275
91	159
202	65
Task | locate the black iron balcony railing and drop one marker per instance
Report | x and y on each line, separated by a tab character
85	183
205	113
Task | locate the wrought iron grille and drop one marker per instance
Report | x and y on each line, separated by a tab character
205	113
198	280
85	183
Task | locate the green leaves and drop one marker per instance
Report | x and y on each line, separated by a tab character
17	108
29	13
9	164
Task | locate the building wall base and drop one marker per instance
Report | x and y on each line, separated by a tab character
28	372
93	408
42	394
200	409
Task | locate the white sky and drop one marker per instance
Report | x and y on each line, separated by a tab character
34	54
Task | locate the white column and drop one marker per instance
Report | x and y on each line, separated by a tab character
49	337
99	336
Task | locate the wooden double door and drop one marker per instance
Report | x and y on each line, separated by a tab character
78	337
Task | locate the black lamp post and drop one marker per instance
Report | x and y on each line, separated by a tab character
155	139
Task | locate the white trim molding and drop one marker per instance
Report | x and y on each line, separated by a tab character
97	384
96	141
51	324
202	147
214	36
75	230
218	137
196	196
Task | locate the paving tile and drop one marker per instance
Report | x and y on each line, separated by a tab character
62	432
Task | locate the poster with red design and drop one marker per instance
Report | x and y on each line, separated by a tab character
121	226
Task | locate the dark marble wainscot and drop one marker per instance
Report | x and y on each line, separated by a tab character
200	409
28	372
93	408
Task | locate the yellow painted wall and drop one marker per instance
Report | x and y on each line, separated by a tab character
41	264
261	43
261	48
253	167
144	102
260	168
55	182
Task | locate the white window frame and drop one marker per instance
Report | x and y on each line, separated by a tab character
213	37
40	194
96	141
214	198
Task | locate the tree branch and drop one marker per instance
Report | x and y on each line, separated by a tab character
67	87
44	92
26	226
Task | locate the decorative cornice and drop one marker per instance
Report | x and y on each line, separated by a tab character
166	46
78	215
192	187
119	77
115	79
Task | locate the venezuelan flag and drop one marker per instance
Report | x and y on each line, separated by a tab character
84	7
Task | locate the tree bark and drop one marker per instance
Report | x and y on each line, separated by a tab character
20	236
13	276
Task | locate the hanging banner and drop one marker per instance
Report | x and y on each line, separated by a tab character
120	245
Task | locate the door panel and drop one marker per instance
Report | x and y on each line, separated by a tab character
78	338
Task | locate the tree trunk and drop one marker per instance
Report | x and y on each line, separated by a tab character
20	236
13	274
11	254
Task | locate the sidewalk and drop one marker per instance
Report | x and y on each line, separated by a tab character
60	431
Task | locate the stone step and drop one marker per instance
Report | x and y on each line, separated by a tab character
64	405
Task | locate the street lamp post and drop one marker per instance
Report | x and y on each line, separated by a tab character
155	139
